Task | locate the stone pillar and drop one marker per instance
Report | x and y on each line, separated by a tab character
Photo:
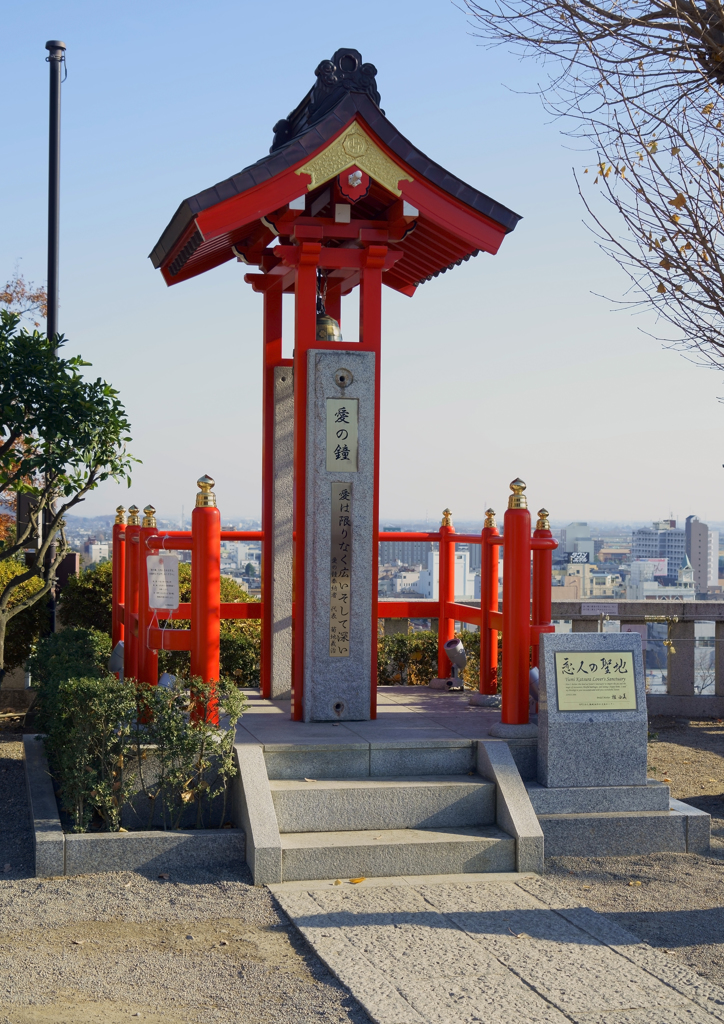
281	540
680	675
339	549
719	663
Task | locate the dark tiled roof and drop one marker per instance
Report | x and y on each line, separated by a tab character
309	142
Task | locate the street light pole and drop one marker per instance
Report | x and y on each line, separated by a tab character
56	56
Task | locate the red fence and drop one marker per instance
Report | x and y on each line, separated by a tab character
526	611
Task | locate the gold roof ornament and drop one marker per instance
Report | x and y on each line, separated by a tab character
206	497
489	518
543	523
133	516
517	499
447	517
121	515
149	516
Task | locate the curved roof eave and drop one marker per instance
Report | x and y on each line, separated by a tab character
305	146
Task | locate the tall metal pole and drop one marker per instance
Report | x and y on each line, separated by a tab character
56	56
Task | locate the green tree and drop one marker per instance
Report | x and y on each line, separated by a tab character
60	436
24	629
87	599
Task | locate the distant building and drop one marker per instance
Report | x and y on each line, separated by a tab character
403	552
429	580
713	558
583	580
664	540
644	583
577	538
93	551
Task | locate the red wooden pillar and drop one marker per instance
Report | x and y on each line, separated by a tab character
272	358
446	592
130	614
305	323
542	576
147	657
516	608
206	588
489	564
370	333
119	574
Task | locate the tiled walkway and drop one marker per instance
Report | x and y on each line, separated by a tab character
434	951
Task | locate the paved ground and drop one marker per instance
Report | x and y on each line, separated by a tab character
514	952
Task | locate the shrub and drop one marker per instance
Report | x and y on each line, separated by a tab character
411	658
88	725
193	759
72	653
105	737
25	628
87	599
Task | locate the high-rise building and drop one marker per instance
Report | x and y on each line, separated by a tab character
664	540
713	558
576	538
697	548
403	552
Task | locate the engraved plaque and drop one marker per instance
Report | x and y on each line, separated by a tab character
596	681
341	570
342	420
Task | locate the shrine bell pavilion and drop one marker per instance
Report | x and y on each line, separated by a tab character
343	199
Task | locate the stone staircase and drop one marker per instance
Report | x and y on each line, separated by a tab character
377	827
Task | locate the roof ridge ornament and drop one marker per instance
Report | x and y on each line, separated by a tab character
345	72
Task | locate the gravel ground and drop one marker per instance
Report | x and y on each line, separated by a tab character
101	949
104	948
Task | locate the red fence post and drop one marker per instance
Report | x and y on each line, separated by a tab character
446	591
516	608
119	574
489	560
130	615
542	575
206	589
147	657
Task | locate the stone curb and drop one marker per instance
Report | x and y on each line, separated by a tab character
59	854
514	811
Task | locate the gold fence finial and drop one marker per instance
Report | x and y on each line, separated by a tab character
133	519
489	517
121	515
517	499
543	523
447	517
149	516
206	497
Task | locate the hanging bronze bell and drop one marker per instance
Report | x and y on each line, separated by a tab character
327	328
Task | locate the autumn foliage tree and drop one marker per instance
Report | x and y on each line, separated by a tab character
60	436
639	83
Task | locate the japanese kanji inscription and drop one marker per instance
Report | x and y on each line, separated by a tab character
595	681
342	421
341	570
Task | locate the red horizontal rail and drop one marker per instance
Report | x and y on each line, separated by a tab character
464	613
229	610
242	535
169	639
408	609
408	536
466	538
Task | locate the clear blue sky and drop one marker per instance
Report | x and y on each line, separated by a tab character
507	367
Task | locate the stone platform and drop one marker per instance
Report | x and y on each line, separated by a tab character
424	789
